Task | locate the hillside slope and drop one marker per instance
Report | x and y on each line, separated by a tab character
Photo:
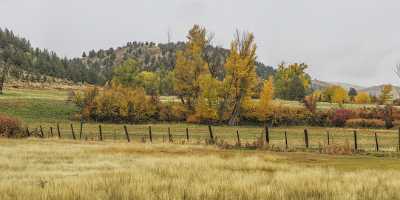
25	63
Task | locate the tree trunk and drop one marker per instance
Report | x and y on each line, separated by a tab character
235	116
2	80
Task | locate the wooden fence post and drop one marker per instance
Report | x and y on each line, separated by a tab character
127	134
238	138
58	130
41	131
101	133
169	135
51	131
211	134
328	136
27	132
355	140
73	132
266	130
286	143
398	149
150	135
306	138
187	134
376	142
81	131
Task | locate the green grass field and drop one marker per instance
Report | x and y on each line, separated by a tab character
53	168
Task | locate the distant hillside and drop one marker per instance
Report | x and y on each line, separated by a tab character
158	57
373	91
376	91
28	64
317	85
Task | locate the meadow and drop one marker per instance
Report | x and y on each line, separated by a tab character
66	169
52	168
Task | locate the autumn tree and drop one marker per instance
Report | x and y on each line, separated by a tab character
240	79
335	94
340	95
150	81
266	97
208	102
386	96
292	82
362	98
190	66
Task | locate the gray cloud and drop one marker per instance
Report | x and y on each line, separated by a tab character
351	41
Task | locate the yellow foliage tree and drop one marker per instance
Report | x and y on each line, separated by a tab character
208	101
150	81
386	96
340	95
241	78
266	97
362	98
190	65
335	94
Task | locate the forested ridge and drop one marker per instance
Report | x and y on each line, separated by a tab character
26	63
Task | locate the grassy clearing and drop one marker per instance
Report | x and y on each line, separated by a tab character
37	105
57	169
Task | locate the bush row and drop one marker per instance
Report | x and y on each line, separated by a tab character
134	106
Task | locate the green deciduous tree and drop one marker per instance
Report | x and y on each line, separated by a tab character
127	73
292	82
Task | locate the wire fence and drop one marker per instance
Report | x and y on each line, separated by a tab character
356	140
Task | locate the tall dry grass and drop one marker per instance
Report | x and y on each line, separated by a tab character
57	169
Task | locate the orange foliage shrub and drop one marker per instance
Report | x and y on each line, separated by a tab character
9	126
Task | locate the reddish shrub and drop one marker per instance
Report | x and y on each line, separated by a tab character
340	117
9	126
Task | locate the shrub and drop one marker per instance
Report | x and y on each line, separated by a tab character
9	126
388	116
117	104
318	118
340	117
173	112
365	123
310	102
286	116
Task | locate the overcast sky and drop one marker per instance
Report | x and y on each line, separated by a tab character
354	41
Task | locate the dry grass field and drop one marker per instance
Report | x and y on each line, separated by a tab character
63	169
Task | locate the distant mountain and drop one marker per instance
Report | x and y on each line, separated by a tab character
376	91
373	91
318	85
347	86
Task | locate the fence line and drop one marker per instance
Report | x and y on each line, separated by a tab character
365	142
